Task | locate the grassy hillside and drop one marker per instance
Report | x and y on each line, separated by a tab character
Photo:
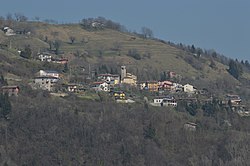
162	57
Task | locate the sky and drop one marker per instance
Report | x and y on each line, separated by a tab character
222	25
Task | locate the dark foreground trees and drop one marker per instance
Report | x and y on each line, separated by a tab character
45	130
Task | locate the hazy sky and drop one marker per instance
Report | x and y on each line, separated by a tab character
223	25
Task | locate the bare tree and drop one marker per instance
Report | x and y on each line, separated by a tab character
146	32
20	17
9	19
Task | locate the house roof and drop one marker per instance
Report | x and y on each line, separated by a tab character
191	123
62	59
110	75
98	83
46	77
165	97
166	82
50	71
10	87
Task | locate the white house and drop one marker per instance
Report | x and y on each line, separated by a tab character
164	101
188	88
50	73
8	31
45	82
44	57
109	78
177	87
101	86
190	126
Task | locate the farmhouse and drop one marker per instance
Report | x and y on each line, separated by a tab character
10	90
100	86
164	101
45	82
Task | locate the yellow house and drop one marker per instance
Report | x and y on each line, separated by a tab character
120	95
130	79
153	86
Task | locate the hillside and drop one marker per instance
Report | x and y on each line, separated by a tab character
101	46
90	128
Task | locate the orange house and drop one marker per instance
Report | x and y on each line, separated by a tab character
153	86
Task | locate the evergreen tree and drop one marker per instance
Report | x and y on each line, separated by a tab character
235	69
26	53
65	68
3	81
5	106
163	76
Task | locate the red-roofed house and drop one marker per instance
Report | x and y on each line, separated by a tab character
10	90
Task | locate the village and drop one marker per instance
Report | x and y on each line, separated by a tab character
164	93
167	92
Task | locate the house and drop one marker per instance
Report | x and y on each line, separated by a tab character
45	82
189	88
171	74
129	80
8	31
151	86
233	99
165	85
10	90
164	101
119	95
190	126
100	86
72	87
44	57
60	61
50	73
109	78
75	88
177	87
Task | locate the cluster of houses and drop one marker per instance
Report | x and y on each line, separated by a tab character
50	79
47	57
